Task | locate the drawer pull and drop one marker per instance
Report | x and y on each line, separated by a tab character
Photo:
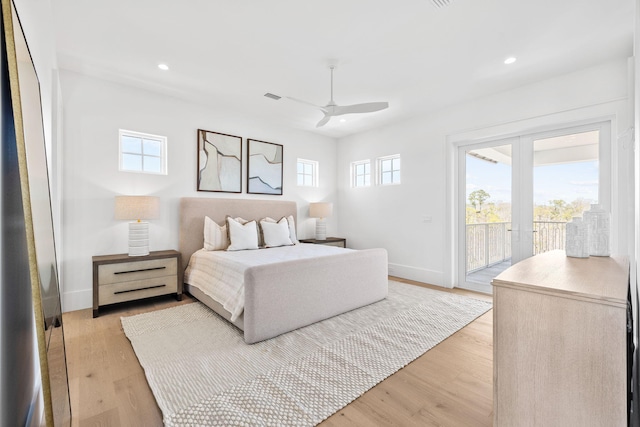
142	269
138	289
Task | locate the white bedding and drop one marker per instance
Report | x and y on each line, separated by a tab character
220	274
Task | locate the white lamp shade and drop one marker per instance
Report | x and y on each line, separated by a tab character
137	207
320	210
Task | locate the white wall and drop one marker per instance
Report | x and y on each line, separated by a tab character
391	217
95	109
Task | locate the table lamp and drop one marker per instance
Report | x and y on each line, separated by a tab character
137	208
320	211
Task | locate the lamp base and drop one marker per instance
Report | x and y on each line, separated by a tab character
321	229
138	238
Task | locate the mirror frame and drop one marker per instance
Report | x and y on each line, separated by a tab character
11	25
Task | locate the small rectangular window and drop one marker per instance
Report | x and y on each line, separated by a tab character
141	152
307	173
389	170
361	173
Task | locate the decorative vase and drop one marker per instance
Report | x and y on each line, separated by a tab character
577	238
599	226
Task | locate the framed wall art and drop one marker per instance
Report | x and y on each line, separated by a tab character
264	169
219	162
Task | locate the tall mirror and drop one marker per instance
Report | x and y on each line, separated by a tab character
34	179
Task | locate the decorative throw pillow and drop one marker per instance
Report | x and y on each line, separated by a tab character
215	236
292	230
261	232
242	236
275	233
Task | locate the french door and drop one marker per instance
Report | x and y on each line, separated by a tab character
515	196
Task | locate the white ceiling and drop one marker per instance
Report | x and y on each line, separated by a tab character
418	57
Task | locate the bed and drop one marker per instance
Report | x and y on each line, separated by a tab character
283	296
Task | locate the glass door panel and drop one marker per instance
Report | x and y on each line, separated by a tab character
565	184
488	212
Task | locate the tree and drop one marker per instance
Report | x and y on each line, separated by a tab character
558	208
477	198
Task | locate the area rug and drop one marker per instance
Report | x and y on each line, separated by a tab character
202	373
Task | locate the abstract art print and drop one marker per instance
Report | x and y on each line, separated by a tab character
264	171
219	162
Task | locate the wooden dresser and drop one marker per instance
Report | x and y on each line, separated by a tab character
560	342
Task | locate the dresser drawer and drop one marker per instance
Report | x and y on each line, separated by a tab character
136	270
137	289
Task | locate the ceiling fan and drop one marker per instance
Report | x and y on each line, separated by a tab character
332	109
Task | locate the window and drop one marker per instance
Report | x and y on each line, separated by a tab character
307	173
140	152
389	170
361	173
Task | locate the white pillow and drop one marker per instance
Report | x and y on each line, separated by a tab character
261	232
242	236
275	233
215	236
292	230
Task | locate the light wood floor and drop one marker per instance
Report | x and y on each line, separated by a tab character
450	385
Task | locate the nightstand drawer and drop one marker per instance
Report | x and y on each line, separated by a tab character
338	244
136	270
132	290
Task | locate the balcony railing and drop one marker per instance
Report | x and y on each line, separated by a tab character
548	235
489	243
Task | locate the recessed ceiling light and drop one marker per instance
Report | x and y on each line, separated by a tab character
343	120
163	67
510	60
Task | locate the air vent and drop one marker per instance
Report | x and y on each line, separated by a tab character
441	3
272	96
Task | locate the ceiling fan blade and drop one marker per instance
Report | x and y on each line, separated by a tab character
305	102
368	107
324	121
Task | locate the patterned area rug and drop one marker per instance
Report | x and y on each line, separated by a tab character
202	373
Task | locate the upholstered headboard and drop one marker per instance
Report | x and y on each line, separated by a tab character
194	209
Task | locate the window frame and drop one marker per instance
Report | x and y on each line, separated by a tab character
355	175
379	165
315	166
143	136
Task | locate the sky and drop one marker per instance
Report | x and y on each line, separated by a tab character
567	181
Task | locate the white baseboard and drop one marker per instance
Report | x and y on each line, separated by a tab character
77	300
418	274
